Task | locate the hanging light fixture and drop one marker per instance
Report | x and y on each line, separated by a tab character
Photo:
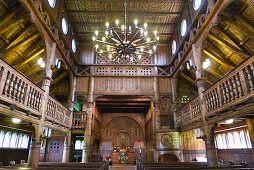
125	42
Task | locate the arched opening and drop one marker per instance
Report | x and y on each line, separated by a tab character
229	42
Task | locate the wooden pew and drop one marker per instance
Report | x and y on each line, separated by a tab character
98	165
183	166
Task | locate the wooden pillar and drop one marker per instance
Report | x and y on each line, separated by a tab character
88	128
67	148
174	97
67	143
34	149
211	152
34	154
251	132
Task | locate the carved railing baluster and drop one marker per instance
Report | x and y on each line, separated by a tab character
252	72
239	86
250	79
217	98
231	92
15	88
227	92
10	88
7	83
235	91
19	86
224	93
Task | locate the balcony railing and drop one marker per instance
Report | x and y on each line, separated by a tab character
79	120
189	112
234	88
17	89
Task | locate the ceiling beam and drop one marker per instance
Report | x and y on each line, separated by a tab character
30	57
220	40
59	77
219	53
124	104
92	33
233	39
140	1
218	59
121	107
123	100
20	43
188	78
103	24
82	12
187	87
21	34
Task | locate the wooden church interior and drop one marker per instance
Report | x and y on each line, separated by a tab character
188	105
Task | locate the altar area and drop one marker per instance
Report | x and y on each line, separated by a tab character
123	156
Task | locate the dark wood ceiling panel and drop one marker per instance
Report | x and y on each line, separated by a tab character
90	15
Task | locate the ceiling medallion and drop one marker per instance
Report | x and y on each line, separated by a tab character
128	42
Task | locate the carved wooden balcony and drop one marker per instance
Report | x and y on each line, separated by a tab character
79	120
234	88
228	93
17	89
189	112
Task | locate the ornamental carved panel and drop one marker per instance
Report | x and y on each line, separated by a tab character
166	107
123	71
123	85
122	129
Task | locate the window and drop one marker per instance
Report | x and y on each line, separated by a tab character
20	140
174	47
232	140
1	138
64	26
7	139
73	45
13	143
52	3
79	145
183	27
197	4
25	141
13	140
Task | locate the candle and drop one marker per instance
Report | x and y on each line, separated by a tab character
139	150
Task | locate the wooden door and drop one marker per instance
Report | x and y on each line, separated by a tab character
55	150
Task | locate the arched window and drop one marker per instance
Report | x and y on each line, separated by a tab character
25	141
183	27
13	143
52	3
7	139
20	140
77	145
64	26
231	143
73	45
242	138
197	4
174	47
82	144
1	138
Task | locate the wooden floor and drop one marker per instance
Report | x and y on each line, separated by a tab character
123	167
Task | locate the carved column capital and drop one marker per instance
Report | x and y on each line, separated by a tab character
201	82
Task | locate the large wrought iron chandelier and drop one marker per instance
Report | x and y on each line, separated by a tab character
128	42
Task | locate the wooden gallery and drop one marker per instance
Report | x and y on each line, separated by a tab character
126	84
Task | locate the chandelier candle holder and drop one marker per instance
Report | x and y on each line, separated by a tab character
125	42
